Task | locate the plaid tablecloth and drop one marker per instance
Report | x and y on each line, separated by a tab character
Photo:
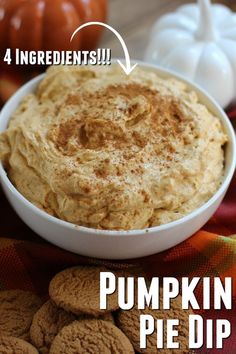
27	262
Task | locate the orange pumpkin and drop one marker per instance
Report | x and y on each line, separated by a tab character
49	24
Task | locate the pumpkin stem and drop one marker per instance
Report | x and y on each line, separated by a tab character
206	29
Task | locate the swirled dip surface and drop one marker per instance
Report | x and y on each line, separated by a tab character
101	149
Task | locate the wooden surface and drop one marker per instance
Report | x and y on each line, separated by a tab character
133	19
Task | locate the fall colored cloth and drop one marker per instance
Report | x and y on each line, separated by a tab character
27	262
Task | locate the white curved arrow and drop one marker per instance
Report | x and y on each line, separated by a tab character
127	67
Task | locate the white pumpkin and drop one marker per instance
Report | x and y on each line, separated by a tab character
199	42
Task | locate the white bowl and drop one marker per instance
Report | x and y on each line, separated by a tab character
118	244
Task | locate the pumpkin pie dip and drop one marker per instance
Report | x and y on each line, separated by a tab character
104	150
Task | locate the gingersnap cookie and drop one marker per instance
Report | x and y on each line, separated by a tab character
17	308
78	290
107	317
11	345
129	323
47	323
91	336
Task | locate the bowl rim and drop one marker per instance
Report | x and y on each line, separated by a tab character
151	230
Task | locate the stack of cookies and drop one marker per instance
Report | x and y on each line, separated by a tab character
71	322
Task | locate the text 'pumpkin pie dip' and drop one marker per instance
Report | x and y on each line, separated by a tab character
104	150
